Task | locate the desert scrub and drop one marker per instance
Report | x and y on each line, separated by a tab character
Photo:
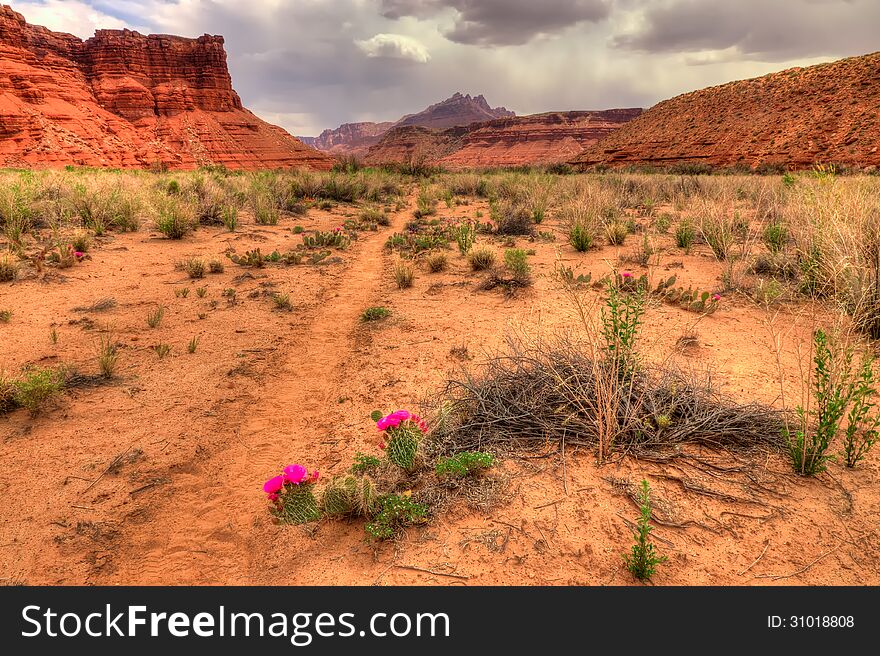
216	266
8	267
616	233
37	387
642	560
516	260
375	314
162	350
350	496
685	233
402	434
291	495
108	355
512	219
194	268
174	217
154	318
396	512
375	215
193	345
464	464
580	236
335	238
481	258
81	241
719	233
5	316
775	237
282	302
404	274
437	262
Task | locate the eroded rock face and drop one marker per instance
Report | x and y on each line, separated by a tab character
123	99
795	118
522	140
357	138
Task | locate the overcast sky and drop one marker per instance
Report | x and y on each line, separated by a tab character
312	64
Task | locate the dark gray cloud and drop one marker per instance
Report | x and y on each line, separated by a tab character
766	30
501	22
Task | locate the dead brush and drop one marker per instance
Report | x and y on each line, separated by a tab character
531	396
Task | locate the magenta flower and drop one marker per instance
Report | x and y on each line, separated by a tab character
626	274
393	420
382	445
295	474
273	486
314	477
716	297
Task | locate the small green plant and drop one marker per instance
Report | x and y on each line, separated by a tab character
566	274
174	218
36	388
775	237
465	236
685	234
53	336
375	314
832	392
216	266
404	274
193	345
464	464
194	267
5	316
81	241
154	318
331	239
621	318
181	292
642	560
719	233
437	262
396	511
364	464
201	292
108	355
580	236
862	422
481	258
282	302
162	350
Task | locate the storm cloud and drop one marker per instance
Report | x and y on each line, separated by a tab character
311	64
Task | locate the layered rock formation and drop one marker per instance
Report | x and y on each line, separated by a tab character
795	118
522	140
123	99
357	138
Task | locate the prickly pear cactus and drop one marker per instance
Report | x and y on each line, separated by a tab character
297	505
349	496
403	446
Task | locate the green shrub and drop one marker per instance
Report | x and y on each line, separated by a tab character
685	233
364	464
580	236
404	274
174	218
8	267
437	262
375	314
775	237
465	236
37	387
616	233
396	511
464	464
517	262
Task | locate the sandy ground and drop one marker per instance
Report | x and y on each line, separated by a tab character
193	436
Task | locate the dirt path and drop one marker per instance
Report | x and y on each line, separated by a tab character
204	535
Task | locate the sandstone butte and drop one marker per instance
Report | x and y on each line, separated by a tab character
122	99
523	140
458	109
797	118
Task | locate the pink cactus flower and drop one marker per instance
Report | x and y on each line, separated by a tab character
273	497
79	255
716	297
295	474
393	420
382	445
314	477
273	486
626	274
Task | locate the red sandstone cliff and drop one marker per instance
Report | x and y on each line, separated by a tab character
796	118
458	109
522	140
123	99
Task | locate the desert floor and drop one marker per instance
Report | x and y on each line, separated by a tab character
155	477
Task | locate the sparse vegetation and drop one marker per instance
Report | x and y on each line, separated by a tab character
642	560
404	274
375	314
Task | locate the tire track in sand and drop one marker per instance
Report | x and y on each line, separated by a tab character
202	532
